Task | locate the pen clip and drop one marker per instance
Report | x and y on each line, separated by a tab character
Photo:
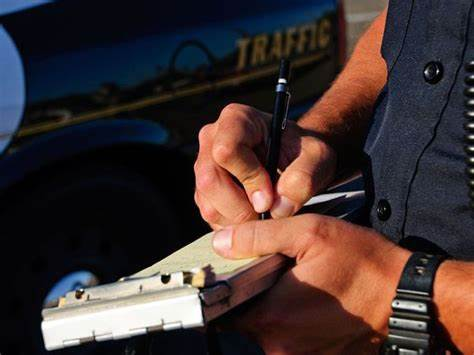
287	104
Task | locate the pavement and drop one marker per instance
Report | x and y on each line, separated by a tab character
359	15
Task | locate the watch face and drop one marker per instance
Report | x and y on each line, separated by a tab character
12	89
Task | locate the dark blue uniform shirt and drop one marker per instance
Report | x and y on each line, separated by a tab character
416	160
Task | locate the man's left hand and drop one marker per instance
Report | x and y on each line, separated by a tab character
335	299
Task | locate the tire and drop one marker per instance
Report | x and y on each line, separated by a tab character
107	220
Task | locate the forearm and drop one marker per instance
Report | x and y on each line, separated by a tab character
454	300
341	116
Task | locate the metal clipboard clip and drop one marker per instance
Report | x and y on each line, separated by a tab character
137	306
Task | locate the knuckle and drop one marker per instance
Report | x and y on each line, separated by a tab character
318	148
313	144
205	180
197	167
316	227
232	109
299	178
308	237
252	177
234	114
298	185
205	133
209	214
244	216
223	153
308	240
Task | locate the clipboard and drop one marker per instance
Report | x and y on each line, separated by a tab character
157	301
188	289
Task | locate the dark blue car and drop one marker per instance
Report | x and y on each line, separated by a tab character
100	106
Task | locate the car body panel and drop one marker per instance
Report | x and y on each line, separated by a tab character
177	63
123	87
12	89
11	6
77	140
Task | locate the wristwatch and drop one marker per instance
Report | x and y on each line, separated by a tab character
411	326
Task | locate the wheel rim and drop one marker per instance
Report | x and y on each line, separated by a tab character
72	281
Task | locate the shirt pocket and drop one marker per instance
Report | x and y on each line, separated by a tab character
398	20
376	122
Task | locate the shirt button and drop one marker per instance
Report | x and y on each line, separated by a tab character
384	210
433	72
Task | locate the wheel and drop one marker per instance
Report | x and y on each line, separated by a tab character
85	225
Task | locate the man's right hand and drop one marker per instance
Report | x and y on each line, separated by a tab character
232	150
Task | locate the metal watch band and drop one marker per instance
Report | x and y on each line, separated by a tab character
411	326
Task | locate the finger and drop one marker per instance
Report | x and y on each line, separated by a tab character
303	178
239	130
222	193
216	186
208	213
289	236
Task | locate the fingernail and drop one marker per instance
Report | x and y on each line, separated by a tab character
259	202
283	207
222	240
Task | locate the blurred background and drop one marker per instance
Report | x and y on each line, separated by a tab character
359	14
100	107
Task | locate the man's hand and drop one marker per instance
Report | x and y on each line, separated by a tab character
232	185
336	299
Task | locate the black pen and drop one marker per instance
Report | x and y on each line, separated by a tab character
280	115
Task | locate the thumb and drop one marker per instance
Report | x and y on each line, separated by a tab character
308	174
288	236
